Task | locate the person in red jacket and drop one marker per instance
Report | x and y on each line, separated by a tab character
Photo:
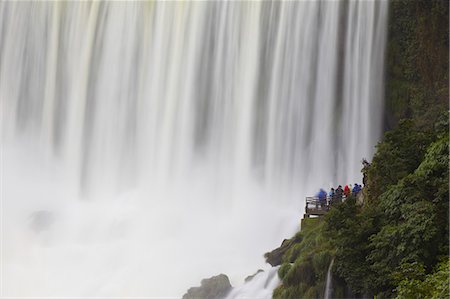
347	191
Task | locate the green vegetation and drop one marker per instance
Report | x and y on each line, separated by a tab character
349	227
413	283
396	243
404	220
396	157
305	263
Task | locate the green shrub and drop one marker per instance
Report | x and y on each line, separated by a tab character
413	283
321	261
283	270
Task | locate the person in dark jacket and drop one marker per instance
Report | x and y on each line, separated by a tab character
339	192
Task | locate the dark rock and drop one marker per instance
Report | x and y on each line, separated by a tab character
250	277
274	257
216	287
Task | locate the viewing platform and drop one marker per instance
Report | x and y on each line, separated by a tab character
315	207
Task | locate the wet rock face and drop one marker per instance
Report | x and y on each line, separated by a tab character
274	257
41	221
250	277
216	287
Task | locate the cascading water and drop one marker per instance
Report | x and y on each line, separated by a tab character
329	282
260	286
171	141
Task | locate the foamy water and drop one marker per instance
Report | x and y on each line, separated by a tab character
148	145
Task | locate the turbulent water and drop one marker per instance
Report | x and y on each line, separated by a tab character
260	286
148	145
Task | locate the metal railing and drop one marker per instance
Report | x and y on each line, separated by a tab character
315	204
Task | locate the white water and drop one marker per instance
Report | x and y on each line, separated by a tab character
329	282
173	141
260	286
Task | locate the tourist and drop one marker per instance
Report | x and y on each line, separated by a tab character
339	192
346	191
331	196
356	189
322	195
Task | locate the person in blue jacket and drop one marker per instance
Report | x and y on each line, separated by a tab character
322	197
356	189
331	196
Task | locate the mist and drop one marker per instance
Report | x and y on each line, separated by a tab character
146	146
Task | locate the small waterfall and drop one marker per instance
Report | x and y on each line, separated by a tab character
260	286
329	284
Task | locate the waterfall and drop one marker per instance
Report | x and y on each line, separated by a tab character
153	131
260	286
329	283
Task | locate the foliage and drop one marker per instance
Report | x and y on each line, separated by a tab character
397	155
306	263
414	283
412	239
440	280
415	213
349	228
410	278
389	245
405	227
